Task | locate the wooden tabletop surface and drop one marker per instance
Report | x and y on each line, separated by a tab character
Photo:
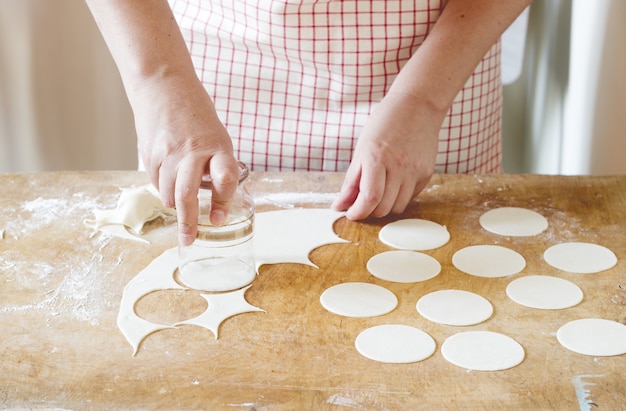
61	287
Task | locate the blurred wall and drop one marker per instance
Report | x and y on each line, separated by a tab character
62	105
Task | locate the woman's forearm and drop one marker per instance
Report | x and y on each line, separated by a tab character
458	41
144	40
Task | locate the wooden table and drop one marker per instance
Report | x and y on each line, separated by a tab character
61	287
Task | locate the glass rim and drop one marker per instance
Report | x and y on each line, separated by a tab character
244	171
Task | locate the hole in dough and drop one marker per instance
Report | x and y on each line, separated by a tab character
358	300
482	351
170	306
414	234
593	336
454	307
402	266
513	221
395	344
544	292
489	261
580	258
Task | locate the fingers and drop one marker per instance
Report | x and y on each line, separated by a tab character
349	189
187	183
224	171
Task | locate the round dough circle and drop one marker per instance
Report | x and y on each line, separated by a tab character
580	258
358	300
593	336
403	266
544	292
489	261
395	344
414	234
513	221
482	351
228	276
454	307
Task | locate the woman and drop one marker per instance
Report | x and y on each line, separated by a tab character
390	91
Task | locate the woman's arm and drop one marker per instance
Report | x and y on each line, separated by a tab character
180	137
396	152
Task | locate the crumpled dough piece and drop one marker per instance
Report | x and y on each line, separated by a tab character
135	207
221	307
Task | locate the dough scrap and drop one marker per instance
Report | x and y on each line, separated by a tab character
454	307
513	221
489	261
403	266
593	336
395	344
580	257
158	275
414	234
358	300
221	307
544	292
135	207
482	351
289	236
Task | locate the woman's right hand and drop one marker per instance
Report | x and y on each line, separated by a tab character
180	139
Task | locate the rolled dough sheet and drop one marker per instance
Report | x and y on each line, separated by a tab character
289	236
489	261
482	351
513	221
454	307
403	266
358	300
593	336
544	292
580	258
414	234
395	344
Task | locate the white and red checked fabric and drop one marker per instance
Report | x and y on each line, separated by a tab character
295	80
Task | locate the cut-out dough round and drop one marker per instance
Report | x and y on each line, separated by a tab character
414	234
513	221
403	266
489	261
358	300
544	292
482	351
454	307
593	336
395	344
580	258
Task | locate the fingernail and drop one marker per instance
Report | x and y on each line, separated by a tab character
217	217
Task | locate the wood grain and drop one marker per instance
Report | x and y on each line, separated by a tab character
61	288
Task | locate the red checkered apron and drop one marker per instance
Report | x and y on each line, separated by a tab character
295	80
